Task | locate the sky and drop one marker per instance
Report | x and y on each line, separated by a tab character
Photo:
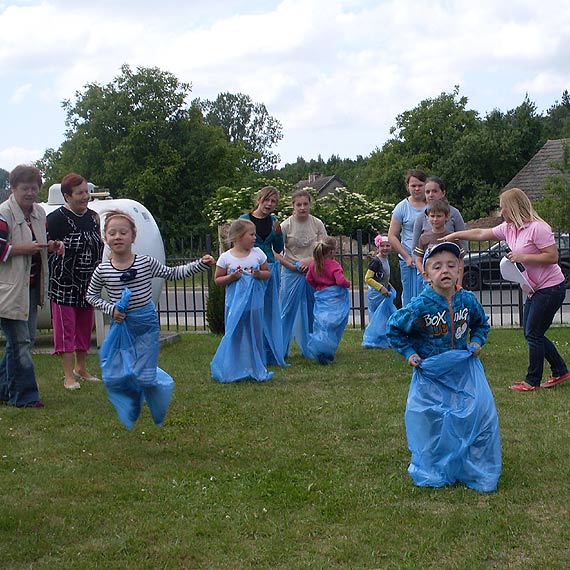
336	73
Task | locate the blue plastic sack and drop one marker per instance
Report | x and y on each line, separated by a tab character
297	299
380	307
332	306
129	356
452	424
272	326
241	353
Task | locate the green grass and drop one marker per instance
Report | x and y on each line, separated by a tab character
305	471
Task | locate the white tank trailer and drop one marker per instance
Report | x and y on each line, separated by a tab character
148	240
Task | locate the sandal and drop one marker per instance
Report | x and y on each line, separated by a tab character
80	378
524	387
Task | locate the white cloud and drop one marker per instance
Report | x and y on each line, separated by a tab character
12	156
20	93
318	65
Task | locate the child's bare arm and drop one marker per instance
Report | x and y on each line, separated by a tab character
263	272
222	277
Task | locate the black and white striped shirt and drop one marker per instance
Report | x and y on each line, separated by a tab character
138	278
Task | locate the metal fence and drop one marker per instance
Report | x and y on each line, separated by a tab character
183	305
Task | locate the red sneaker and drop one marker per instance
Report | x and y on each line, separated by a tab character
553	380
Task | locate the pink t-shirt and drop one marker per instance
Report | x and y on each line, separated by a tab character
531	238
331	274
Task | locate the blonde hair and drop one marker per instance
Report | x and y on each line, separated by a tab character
238	228
111	214
324	246
518	207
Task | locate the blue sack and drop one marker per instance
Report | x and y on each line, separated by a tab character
297	299
332	306
241	353
272	326
129	356
452	423
380	307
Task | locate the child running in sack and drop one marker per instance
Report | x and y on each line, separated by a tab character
381	296
451	419
332	301
127	279
242	269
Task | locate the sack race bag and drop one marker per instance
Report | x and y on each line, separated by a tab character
272	326
332	306
297	301
241	353
129	356
380	307
452	424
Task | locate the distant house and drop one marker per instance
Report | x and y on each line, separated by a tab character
530	179
321	184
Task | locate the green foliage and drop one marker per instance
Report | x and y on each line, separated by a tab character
349	171
475	157
246	123
136	137
557	120
343	212
4	184
554	207
215	308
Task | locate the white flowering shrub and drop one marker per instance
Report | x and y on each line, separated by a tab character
343	212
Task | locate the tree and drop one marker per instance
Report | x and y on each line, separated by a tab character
422	137
137	137
554	205
247	123
557	120
4	184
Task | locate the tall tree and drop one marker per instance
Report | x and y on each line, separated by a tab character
554	205
247	123
4	184
137	137
557	119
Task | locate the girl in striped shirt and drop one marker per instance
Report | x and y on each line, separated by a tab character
129	354
126	269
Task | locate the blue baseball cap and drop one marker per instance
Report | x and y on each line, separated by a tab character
442	246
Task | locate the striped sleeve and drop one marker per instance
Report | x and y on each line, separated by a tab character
94	292
5	246
174	273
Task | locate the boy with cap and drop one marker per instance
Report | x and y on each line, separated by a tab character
451	418
440	318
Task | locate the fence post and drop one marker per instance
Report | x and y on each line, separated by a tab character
360	278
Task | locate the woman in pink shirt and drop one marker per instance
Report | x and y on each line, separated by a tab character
532	244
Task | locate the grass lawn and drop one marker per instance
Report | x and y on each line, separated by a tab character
305	471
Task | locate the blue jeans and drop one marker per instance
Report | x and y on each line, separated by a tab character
18	384
538	314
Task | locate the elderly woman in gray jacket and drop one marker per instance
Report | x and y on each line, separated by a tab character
23	272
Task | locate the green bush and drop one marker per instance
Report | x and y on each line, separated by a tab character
215	308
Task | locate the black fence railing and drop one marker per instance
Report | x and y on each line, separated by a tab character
183	305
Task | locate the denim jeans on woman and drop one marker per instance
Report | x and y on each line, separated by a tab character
538	314
18	385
